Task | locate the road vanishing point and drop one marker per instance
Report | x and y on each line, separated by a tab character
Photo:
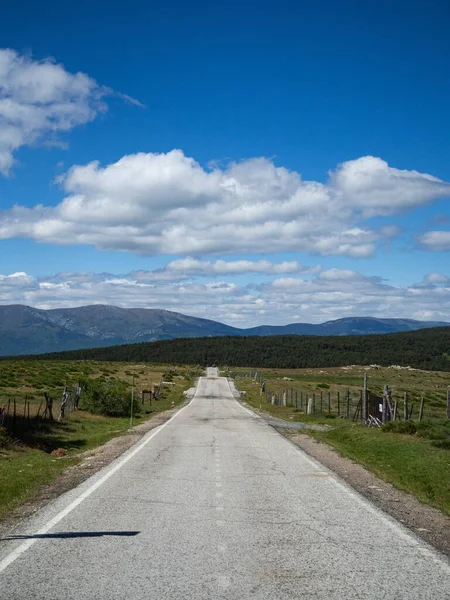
215	504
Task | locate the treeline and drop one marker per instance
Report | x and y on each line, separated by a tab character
425	349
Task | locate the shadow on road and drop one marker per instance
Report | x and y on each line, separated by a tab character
68	535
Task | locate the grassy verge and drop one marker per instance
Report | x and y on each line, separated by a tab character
28	464
411	462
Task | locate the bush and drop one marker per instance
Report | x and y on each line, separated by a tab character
445	444
109	398
6	441
408	427
435	430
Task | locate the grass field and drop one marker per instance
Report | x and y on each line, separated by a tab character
30	379
28	463
432	385
418	462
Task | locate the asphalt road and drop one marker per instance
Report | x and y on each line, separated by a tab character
216	504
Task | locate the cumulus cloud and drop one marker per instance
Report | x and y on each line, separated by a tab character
436	278
40	99
285	299
168	203
436	240
371	185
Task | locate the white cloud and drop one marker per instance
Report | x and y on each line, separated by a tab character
168	203
371	185
192	266
40	99
283	300
436	278
436	240
339	275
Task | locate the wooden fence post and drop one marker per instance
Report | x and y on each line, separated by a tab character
448	404
48	406
339	404
405	407
421	408
329	402
364	400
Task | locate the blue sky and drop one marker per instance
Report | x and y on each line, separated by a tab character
248	162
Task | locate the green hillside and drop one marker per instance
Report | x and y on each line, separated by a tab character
425	349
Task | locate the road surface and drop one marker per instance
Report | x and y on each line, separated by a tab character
216	504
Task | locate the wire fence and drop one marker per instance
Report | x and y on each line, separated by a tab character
19	416
361	406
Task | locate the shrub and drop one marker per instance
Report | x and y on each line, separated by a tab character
408	427
445	444
110	398
5	438
434	430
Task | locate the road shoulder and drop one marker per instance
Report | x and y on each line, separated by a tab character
91	462
428	523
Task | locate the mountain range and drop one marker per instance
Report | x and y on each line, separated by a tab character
27	330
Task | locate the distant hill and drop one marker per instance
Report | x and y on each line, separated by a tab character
346	326
424	349
26	330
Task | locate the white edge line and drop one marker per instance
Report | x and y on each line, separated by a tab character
400	529
10	558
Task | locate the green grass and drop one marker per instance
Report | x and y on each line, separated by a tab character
23	471
410	463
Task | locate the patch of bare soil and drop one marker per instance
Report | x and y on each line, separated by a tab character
91	461
426	522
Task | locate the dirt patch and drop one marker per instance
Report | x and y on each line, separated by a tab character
428	523
91	461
